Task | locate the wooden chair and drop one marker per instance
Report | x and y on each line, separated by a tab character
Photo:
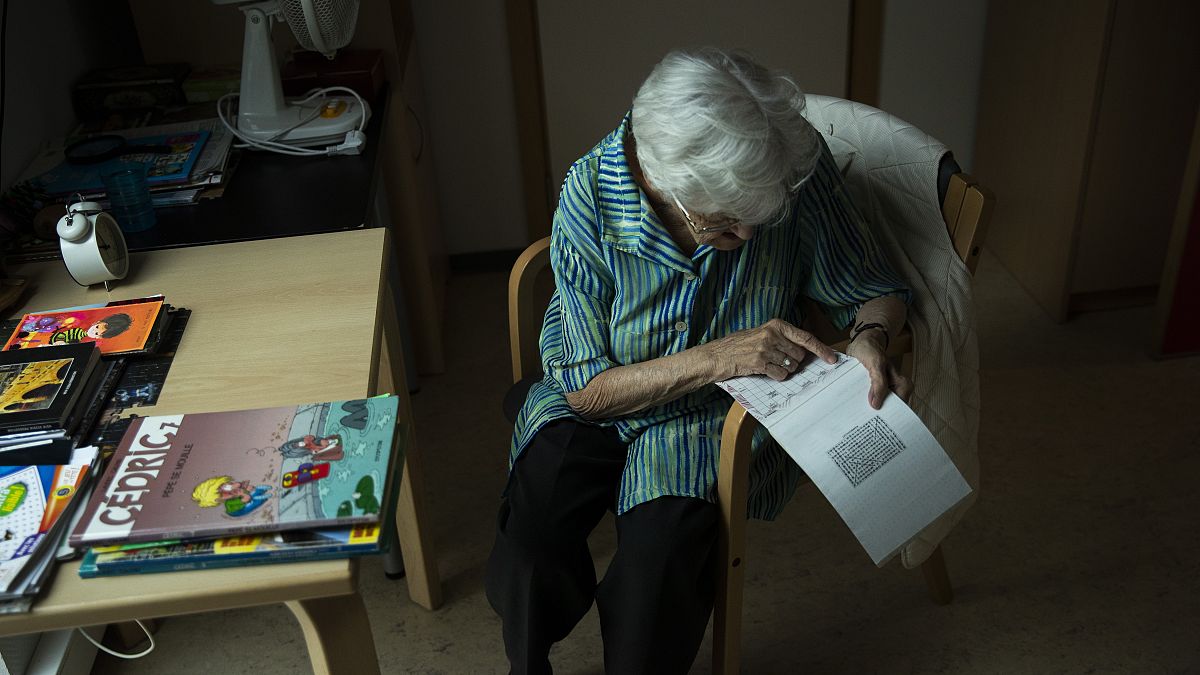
966	208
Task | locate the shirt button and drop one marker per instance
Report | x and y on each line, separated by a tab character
680	326
689	277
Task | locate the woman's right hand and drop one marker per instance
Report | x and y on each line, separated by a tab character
775	349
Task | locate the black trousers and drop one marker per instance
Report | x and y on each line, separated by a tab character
657	594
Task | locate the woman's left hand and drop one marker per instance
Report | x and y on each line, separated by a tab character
869	348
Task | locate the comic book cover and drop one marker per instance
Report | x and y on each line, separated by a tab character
272	547
39	389
32	500
116	329
240	472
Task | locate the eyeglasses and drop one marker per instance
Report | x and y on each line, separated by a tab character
724	226
728	223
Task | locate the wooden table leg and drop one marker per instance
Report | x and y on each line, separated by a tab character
416	542
338	634
420	565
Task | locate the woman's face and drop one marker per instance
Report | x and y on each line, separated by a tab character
726	233
727	240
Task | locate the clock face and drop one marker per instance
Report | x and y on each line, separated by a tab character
111	244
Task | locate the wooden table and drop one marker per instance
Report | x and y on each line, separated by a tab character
274	322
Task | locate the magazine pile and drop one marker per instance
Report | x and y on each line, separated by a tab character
206	490
58	370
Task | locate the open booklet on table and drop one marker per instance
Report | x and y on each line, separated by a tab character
882	470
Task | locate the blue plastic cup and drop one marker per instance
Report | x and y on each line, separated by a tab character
129	197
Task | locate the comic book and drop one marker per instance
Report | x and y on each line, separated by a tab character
39	389
272	547
115	328
240	472
32	500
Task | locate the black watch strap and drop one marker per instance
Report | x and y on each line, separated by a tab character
864	327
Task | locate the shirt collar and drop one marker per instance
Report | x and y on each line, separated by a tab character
628	222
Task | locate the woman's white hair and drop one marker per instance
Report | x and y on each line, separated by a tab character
723	134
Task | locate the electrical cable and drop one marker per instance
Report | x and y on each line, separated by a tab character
316	112
117	654
225	112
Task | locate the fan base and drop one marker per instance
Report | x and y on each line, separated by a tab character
316	124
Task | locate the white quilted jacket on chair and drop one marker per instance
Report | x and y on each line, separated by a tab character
891	170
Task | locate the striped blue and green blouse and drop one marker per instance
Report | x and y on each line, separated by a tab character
626	293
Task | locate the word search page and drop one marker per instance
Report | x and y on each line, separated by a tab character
882	470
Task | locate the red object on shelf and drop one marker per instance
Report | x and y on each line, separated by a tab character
360	69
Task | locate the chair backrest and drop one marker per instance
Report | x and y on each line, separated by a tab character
967	208
524	314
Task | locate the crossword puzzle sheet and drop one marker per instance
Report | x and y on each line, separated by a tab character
881	469
765	397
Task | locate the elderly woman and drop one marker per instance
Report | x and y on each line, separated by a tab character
681	248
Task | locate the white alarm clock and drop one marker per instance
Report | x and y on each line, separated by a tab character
93	247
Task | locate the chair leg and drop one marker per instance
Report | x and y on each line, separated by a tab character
727	619
733	480
936	578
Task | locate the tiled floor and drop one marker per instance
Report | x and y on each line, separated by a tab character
1081	556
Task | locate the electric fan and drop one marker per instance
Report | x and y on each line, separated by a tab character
317	124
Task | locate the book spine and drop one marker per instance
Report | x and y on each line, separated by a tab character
30	428
207	562
224	530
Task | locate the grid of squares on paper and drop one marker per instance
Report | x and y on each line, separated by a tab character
766	397
865	449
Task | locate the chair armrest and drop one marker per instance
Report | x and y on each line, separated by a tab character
523	316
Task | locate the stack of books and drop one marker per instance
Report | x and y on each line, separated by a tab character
205	490
58	370
44	393
182	160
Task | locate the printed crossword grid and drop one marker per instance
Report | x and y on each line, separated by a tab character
865	449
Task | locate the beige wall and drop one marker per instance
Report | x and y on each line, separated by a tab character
595	55
1146	113
466	75
930	65
463	47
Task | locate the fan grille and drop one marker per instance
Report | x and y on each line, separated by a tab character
333	26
